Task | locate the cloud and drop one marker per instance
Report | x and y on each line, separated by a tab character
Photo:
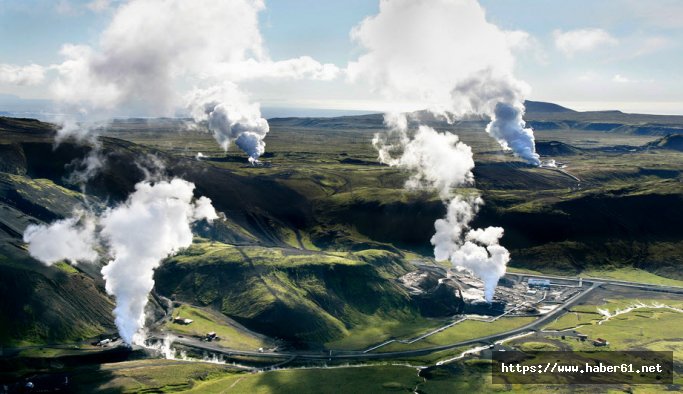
231	118
424	53
32	74
435	160
304	67
152	224
419	52
582	40
618	78
64	7
156	53
98	5
70	239
151	44
665	14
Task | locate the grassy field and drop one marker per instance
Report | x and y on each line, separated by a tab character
372	379
377	329
645	327
231	334
152	376
468	329
633	275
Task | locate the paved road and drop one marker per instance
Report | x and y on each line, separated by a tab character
613	282
535	325
346	355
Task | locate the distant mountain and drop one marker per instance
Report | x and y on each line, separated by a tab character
671	141
556	148
541	106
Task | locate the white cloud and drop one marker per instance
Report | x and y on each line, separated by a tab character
304	67
21	75
151	44
582	40
664	14
418	52
519	39
152	224
64	7
98	5
70	239
618	78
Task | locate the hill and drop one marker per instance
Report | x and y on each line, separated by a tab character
314	241
556	148
670	141
544	107
539	115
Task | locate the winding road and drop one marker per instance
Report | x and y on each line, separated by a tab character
592	283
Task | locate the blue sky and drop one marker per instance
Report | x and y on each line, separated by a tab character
630	58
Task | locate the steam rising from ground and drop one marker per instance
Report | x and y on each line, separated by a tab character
156	55
231	118
154	223
445	56
70	239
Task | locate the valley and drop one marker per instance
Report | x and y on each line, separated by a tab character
305	264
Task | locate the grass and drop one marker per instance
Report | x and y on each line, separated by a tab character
369	379
154	376
632	275
231	335
537	346
649	328
463	331
66	267
377	329
203	252
641	329
572	319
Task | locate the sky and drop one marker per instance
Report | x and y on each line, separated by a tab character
587	55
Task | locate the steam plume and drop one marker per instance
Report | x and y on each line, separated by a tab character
154	223
70	239
231	118
423	52
152	50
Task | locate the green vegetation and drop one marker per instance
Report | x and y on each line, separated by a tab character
314	240
207	252
322	296
463	331
633	275
154	376
376	329
538	346
66	267
573	319
642	328
231	334
370	379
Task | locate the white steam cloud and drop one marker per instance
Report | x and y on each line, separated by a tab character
154	223
424	52
21	75
153	50
476	250
70	239
435	160
231	118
